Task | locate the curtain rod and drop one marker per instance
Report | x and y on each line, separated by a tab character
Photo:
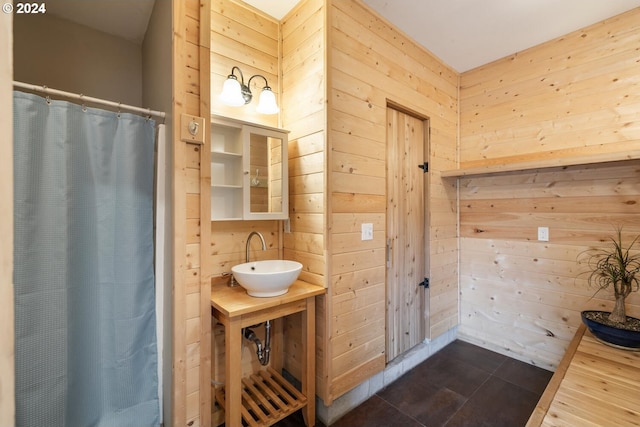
84	98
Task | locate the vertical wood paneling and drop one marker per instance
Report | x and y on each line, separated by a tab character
574	96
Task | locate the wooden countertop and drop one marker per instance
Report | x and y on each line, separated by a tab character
594	385
234	301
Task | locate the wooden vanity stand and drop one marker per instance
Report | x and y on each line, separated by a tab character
266	397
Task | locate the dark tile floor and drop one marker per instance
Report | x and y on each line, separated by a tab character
461	385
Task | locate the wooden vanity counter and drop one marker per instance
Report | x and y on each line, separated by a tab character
234	301
235	309
594	385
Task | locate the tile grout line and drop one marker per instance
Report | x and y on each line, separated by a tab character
468	399
398	409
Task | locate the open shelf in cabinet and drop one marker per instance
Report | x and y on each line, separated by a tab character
226	202
248	171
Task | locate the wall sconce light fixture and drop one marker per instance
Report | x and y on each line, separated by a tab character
235	93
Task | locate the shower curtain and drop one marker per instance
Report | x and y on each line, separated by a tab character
86	350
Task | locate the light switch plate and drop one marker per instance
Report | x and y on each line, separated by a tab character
543	234
367	231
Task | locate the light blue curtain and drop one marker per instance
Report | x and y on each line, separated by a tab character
83	266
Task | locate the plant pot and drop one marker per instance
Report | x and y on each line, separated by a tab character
611	335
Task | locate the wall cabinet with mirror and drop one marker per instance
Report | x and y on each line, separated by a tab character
248	171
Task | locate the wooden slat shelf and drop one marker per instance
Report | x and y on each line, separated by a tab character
266	398
542	164
595	385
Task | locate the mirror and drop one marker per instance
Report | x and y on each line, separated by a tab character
266	169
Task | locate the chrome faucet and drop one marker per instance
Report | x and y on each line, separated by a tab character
255	233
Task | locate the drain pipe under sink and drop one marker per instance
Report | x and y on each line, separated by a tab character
261	352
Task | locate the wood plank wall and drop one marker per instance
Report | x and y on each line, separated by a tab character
573	96
247	38
191	305
569	97
336	155
303	113
244	37
372	64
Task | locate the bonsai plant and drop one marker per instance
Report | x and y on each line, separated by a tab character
616	267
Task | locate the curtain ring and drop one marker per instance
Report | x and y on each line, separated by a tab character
47	98
119	109
84	107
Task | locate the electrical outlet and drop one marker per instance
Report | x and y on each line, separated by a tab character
543	234
367	231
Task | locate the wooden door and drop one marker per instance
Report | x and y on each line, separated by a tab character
406	242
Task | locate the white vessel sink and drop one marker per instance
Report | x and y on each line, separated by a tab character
268	278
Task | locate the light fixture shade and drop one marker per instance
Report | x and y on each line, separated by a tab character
267	103
231	93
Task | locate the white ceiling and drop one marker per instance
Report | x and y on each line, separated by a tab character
462	33
276	8
468	33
